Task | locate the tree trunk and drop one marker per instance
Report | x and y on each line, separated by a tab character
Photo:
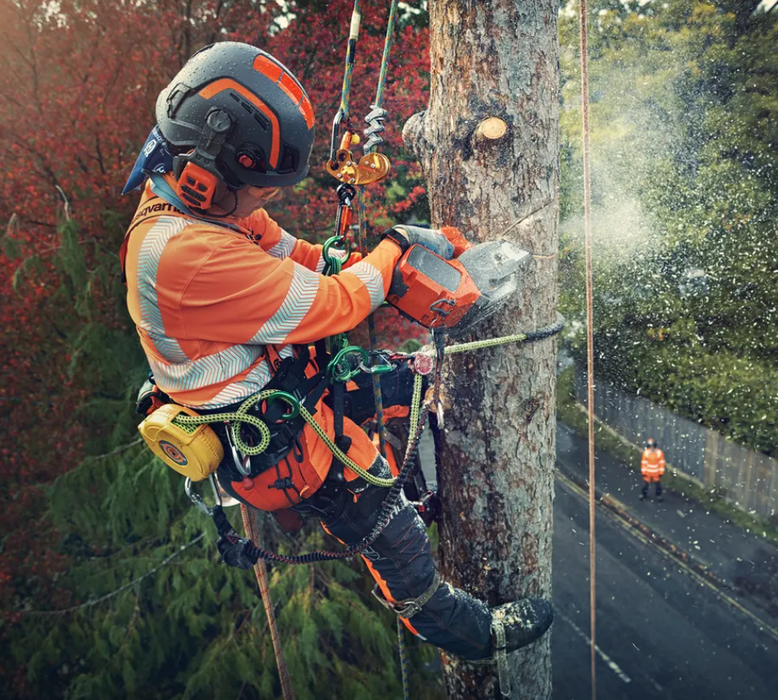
497	58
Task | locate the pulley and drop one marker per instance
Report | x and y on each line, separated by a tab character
343	165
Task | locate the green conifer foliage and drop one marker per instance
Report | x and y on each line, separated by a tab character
146	608
685	205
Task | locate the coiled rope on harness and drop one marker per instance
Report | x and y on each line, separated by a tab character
241	417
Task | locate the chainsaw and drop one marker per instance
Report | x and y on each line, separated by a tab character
459	294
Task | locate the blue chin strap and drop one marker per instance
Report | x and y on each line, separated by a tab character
154	160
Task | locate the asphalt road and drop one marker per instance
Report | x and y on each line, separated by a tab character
661	632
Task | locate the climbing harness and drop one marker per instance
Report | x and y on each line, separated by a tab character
242	552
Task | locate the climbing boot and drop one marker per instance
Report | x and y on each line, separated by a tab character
517	624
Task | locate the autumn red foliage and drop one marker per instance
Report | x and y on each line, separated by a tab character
78	82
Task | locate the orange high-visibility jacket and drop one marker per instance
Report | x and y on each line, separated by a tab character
652	464
207	299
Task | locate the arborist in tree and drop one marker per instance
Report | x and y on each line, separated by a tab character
652	467
227	304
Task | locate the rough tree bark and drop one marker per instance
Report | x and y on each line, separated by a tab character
497	58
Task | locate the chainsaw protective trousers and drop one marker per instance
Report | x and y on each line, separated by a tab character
401	563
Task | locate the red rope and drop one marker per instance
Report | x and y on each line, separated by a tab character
583	9
260	570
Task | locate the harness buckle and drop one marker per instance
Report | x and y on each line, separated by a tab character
411	606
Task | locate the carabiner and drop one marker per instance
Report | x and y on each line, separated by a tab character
341	369
197	499
380	368
290	399
242	465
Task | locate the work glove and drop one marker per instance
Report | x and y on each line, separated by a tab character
432	239
455	237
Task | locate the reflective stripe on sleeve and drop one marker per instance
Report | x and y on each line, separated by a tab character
284	247
299	299
372	279
148	263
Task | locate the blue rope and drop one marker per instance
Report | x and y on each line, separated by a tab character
403	660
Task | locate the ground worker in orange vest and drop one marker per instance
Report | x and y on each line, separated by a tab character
227	303
652	467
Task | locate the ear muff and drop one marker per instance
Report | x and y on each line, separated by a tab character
196	186
198	180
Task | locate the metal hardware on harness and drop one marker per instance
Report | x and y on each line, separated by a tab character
332	264
293	401
377	369
242	465
197	499
411	606
375	119
342	369
372	167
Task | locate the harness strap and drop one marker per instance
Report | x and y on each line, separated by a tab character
410	606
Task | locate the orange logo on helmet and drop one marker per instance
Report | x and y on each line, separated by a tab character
173	453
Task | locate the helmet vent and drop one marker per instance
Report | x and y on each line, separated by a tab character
259	118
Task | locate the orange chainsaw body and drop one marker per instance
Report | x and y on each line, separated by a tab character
430	290
457	295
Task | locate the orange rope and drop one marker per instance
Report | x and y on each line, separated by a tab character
252	532
583	8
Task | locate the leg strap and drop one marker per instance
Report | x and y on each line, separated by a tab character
409	607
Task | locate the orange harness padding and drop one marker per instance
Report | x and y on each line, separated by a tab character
308	468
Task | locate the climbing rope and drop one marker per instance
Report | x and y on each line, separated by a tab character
583	11
375	120
403	659
528	337
241	417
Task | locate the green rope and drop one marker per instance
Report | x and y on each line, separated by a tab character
479	344
356	18
388	43
242	416
341	456
236	419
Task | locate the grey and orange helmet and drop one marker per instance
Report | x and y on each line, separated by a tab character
235	116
